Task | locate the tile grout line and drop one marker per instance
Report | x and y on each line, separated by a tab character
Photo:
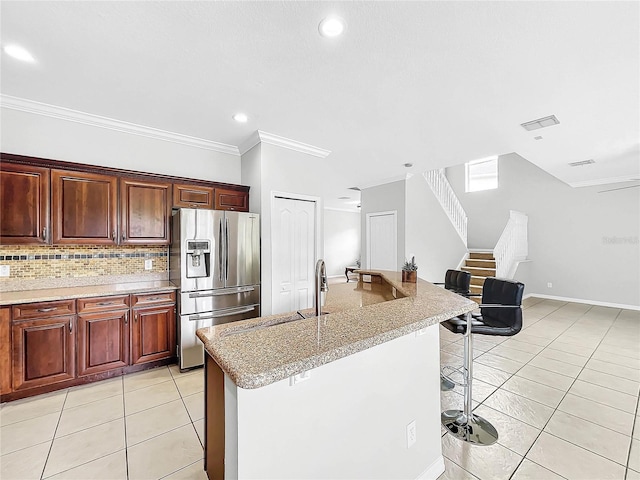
124	419
633	427
44	467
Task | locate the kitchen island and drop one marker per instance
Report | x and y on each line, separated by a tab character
350	394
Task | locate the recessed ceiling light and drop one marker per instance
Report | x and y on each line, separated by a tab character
240	118
408	165
539	137
332	26
344	198
18	52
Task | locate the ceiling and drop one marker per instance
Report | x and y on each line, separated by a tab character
431	83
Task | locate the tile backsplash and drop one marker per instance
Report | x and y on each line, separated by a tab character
31	262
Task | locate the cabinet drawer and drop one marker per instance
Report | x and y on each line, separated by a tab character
103	304
44	309
140	300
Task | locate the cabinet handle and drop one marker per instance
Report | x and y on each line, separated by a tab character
70	326
44	234
126	318
50	309
124	237
105	303
153	299
135	317
113	235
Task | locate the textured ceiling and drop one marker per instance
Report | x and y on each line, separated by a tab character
433	83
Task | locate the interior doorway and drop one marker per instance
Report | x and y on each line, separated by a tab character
293	234
382	240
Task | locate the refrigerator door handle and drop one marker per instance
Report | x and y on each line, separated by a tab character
226	236
220	253
222	313
221	292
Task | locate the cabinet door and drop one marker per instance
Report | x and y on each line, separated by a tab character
153	334
145	212
5	350
24	196
84	207
192	196
232	200
43	351
103	341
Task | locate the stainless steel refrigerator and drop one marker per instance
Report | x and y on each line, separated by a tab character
215	263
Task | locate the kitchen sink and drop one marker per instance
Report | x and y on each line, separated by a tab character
278	321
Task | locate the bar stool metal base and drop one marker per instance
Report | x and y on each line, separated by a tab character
446	384
469	428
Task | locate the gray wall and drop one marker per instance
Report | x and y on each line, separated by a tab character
430	235
584	242
384	198
341	240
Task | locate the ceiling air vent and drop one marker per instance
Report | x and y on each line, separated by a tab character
540	123
583	162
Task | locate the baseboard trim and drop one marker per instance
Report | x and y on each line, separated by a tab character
580	300
434	470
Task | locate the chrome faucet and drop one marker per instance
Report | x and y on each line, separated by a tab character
321	285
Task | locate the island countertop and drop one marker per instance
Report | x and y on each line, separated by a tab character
261	351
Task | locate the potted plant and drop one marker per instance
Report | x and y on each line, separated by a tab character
410	271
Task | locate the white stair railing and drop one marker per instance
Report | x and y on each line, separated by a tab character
441	188
512	246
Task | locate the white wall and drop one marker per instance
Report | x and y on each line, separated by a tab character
285	171
430	235
383	198
348	420
47	137
584	242
341	240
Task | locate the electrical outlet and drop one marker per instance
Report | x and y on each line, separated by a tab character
549	285
5	271
148	264
411	434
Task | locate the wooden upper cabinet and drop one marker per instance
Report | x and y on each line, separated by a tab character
231	200
84	208
24	204
145	212
192	196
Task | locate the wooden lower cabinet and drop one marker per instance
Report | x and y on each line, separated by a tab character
43	351
57	344
103	341
153	333
5	350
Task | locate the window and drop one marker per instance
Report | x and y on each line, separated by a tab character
481	174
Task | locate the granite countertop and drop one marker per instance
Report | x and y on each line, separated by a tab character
63	293
358	319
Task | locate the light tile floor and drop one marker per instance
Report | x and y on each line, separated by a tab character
563	395
147	425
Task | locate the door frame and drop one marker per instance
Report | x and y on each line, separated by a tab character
395	234
318	244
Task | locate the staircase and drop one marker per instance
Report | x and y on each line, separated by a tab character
480	265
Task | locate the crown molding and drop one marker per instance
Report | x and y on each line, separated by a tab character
261	136
348	210
53	111
605	181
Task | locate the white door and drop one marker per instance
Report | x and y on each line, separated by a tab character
382	241
293	250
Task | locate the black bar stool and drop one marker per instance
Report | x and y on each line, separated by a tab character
500	314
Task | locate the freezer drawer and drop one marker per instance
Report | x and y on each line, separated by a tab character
191	350
208	300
